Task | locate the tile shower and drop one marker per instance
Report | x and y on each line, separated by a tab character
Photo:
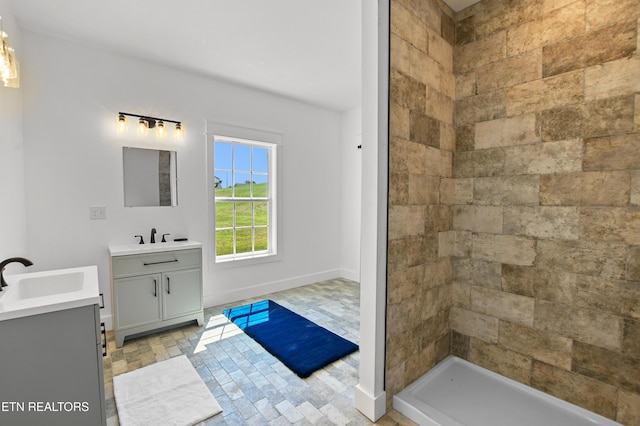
514	195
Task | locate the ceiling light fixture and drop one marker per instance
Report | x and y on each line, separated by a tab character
145	123
8	63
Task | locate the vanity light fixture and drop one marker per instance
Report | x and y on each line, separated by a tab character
145	123
143	127
121	124
160	129
8	63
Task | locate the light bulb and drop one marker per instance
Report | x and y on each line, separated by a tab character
160	131
121	124
12	71
178	131
143	127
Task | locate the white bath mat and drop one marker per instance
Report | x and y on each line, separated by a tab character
166	393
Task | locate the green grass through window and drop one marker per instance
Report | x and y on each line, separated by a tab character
246	214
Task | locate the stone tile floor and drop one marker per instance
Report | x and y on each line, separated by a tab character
252	386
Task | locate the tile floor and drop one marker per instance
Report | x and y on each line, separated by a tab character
252	386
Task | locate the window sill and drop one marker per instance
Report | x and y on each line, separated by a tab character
232	262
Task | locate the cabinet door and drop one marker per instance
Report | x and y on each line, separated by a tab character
138	300
52	357
182	292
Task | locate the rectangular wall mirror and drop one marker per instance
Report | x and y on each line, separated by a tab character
150	177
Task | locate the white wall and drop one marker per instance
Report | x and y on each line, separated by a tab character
74	160
13	237
351	191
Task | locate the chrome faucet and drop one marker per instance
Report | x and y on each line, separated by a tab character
4	263
153	235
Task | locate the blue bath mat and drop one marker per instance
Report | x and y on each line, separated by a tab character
300	344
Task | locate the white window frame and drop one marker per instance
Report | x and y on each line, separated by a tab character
252	137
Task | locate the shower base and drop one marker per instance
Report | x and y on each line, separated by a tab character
458	393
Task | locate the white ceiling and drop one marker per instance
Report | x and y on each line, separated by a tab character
305	49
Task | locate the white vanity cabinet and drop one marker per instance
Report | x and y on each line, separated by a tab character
155	287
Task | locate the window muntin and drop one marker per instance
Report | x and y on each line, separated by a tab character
244	186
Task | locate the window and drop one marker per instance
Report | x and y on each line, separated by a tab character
244	181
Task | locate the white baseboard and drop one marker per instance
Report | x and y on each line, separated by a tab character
350	275
221	298
107	320
371	406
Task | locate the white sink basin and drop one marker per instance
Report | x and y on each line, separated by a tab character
48	291
49	285
128	249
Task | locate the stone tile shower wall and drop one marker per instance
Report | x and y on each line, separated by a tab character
164	177
422	141
546	217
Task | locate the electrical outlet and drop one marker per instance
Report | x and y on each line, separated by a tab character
97	212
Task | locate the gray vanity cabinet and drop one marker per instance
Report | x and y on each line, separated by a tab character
51	369
155	290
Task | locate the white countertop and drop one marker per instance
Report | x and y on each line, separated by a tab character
49	291
129	249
